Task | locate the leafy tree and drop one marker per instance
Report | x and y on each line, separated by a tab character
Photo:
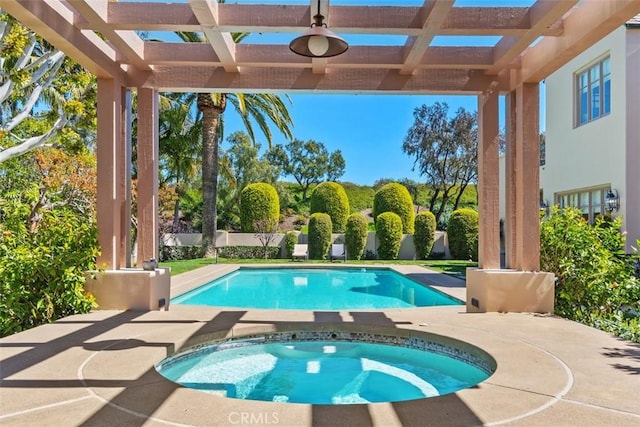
462	233
45	97
330	198
308	162
265	231
262	109
445	152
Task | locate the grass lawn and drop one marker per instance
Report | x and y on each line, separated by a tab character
454	267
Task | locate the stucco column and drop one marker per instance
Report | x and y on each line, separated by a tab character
148	153
488	182
523	179
124	149
110	180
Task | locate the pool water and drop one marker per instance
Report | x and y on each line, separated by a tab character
315	289
322	372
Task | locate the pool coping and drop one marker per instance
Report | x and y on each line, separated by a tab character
97	369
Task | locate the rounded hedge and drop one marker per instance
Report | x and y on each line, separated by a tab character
319	235
355	236
462	232
389	234
290	240
425	234
258	202
394	197
330	198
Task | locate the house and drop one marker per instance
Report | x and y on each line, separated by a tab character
592	153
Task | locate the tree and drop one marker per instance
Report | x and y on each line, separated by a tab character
445	151
262	109
330	198
308	162
41	92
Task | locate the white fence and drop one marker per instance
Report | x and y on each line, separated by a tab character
223	238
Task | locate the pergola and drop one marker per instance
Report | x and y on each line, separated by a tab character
535	41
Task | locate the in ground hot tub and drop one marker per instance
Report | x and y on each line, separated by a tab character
330	367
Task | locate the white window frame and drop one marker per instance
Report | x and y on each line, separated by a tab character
585	199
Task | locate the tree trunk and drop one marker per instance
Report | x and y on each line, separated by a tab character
210	121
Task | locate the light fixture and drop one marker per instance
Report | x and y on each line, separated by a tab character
611	201
318	41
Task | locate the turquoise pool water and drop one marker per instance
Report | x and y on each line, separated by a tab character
315	289
321	372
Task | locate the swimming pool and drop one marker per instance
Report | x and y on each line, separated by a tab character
322	367
315	289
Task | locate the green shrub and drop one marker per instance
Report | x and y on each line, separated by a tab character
319	235
42	270
462	232
177	253
594	279
394	197
389	234
355	235
425	234
290	240
258	202
249	252
330	198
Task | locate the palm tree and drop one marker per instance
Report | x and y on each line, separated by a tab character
262	109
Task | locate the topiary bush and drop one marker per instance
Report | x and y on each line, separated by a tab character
330	198
319	235
425	234
258	202
389	234
594	280
249	252
290	240
462	233
355	235
394	197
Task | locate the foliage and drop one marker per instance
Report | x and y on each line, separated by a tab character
308	162
330	198
462	232
290	240
249	252
319	235
355	235
45	97
424	236
258	201
175	253
389	234
360	196
241	165
445	152
594	279
42	268
394	197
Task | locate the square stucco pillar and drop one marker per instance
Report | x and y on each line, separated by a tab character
148	154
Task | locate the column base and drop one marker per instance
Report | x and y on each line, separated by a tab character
130	289
509	291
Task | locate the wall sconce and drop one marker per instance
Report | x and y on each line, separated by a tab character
612	201
318	41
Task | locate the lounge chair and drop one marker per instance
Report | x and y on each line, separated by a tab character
300	251
338	251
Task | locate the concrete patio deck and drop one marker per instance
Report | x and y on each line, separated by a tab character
98	369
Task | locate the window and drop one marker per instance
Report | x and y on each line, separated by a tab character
590	201
593	92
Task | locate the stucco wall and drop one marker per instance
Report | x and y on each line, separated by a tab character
604	151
